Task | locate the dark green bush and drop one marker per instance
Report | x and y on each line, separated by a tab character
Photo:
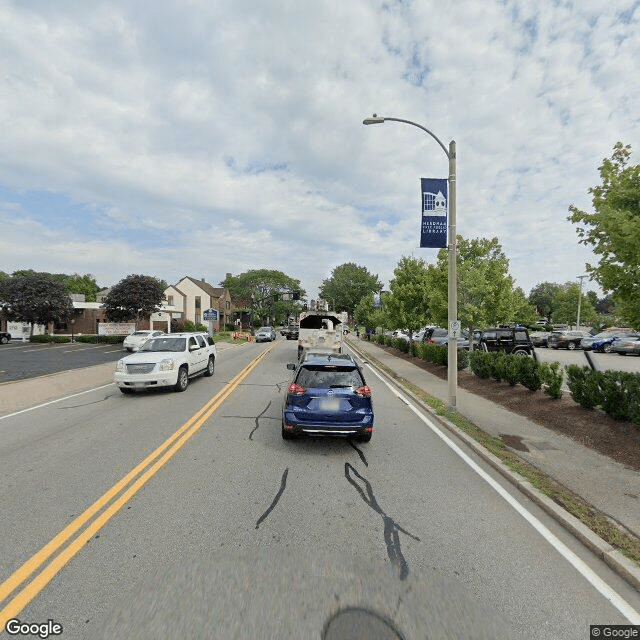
508	368
553	375
48	338
530	375
481	363
619	391
584	385
463	359
93	339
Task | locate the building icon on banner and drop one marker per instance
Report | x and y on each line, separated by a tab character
435	204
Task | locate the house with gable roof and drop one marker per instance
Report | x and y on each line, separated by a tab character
192	297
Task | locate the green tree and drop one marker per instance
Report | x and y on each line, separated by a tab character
133	298
75	283
543	296
35	298
565	306
406	306
266	293
367	314
348	284
613	230
486	292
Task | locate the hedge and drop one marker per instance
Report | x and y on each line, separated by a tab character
616	392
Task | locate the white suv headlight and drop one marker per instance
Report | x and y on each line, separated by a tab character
121	366
166	365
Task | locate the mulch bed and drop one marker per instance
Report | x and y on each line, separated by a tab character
591	427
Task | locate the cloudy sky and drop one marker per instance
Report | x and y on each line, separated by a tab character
200	137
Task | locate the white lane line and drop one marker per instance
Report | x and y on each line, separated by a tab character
610	594
45	404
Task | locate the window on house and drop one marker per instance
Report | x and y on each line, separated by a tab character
228	304
170	301
198	303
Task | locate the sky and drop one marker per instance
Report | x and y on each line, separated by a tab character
202	137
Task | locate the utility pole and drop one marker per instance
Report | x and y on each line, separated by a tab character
581	278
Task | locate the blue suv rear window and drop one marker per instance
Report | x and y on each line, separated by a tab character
325	377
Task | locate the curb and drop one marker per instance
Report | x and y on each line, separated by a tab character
616	561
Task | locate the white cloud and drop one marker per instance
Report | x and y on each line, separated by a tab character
219	137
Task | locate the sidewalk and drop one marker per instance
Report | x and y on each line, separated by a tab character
607	485
22	394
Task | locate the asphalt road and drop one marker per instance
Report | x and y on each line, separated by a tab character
20	360
240	534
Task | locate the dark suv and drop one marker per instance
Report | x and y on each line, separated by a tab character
292	332
508	339
4	337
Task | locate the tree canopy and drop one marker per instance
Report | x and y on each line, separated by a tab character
613	230
407	306
35	298
565	306
74	283
486	292
368	314
266	293
348	284
134	297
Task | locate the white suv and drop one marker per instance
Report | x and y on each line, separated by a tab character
167	361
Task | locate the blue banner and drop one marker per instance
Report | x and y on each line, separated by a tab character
433	232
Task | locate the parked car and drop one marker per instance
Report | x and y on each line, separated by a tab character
327	396
401	334
508	339
434	335
169	360
135	340
441	336
586	343
629	344
566	339
4	337
292	332
265	334
539	338
604	344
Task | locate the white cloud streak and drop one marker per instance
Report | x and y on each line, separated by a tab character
204	138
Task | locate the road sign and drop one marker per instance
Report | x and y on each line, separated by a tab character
210	314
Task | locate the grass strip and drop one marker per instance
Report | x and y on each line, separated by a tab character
599	523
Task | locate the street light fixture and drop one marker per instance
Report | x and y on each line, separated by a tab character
452	313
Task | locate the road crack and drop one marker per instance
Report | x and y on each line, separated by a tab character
391	528
283	484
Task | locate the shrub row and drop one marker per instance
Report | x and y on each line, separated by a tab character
615	392
84	338
436	353
516	369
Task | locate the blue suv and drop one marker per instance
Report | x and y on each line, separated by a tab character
327	397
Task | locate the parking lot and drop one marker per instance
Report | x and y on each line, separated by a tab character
601	361
20	360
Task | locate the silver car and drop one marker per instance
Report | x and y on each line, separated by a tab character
265	334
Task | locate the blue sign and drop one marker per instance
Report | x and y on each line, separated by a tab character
210	314
433	232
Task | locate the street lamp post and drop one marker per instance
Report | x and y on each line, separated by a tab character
581	278
452	313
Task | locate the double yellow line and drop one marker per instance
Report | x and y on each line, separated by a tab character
145	470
